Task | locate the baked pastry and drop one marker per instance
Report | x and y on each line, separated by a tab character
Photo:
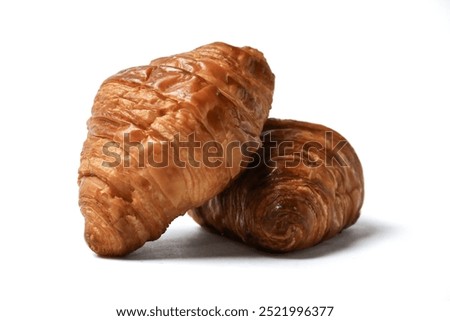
141	164
305	186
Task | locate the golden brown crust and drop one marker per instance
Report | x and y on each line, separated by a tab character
301	194
125	206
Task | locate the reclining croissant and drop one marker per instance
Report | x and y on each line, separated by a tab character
305	186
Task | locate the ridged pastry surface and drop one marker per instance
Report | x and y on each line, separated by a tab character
216	93
305	186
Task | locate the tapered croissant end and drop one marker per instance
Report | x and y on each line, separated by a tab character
281	226
105	220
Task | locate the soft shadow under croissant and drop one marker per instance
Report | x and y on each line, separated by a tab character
305	186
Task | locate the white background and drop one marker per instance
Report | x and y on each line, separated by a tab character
378	72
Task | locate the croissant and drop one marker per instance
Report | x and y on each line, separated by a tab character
143	162
305	186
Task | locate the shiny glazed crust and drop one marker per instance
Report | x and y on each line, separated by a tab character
216	92
301	194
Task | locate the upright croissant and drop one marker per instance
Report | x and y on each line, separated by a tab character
141	164
306	185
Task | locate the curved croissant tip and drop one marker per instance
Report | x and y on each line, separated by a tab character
285	226
102	237
104	240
